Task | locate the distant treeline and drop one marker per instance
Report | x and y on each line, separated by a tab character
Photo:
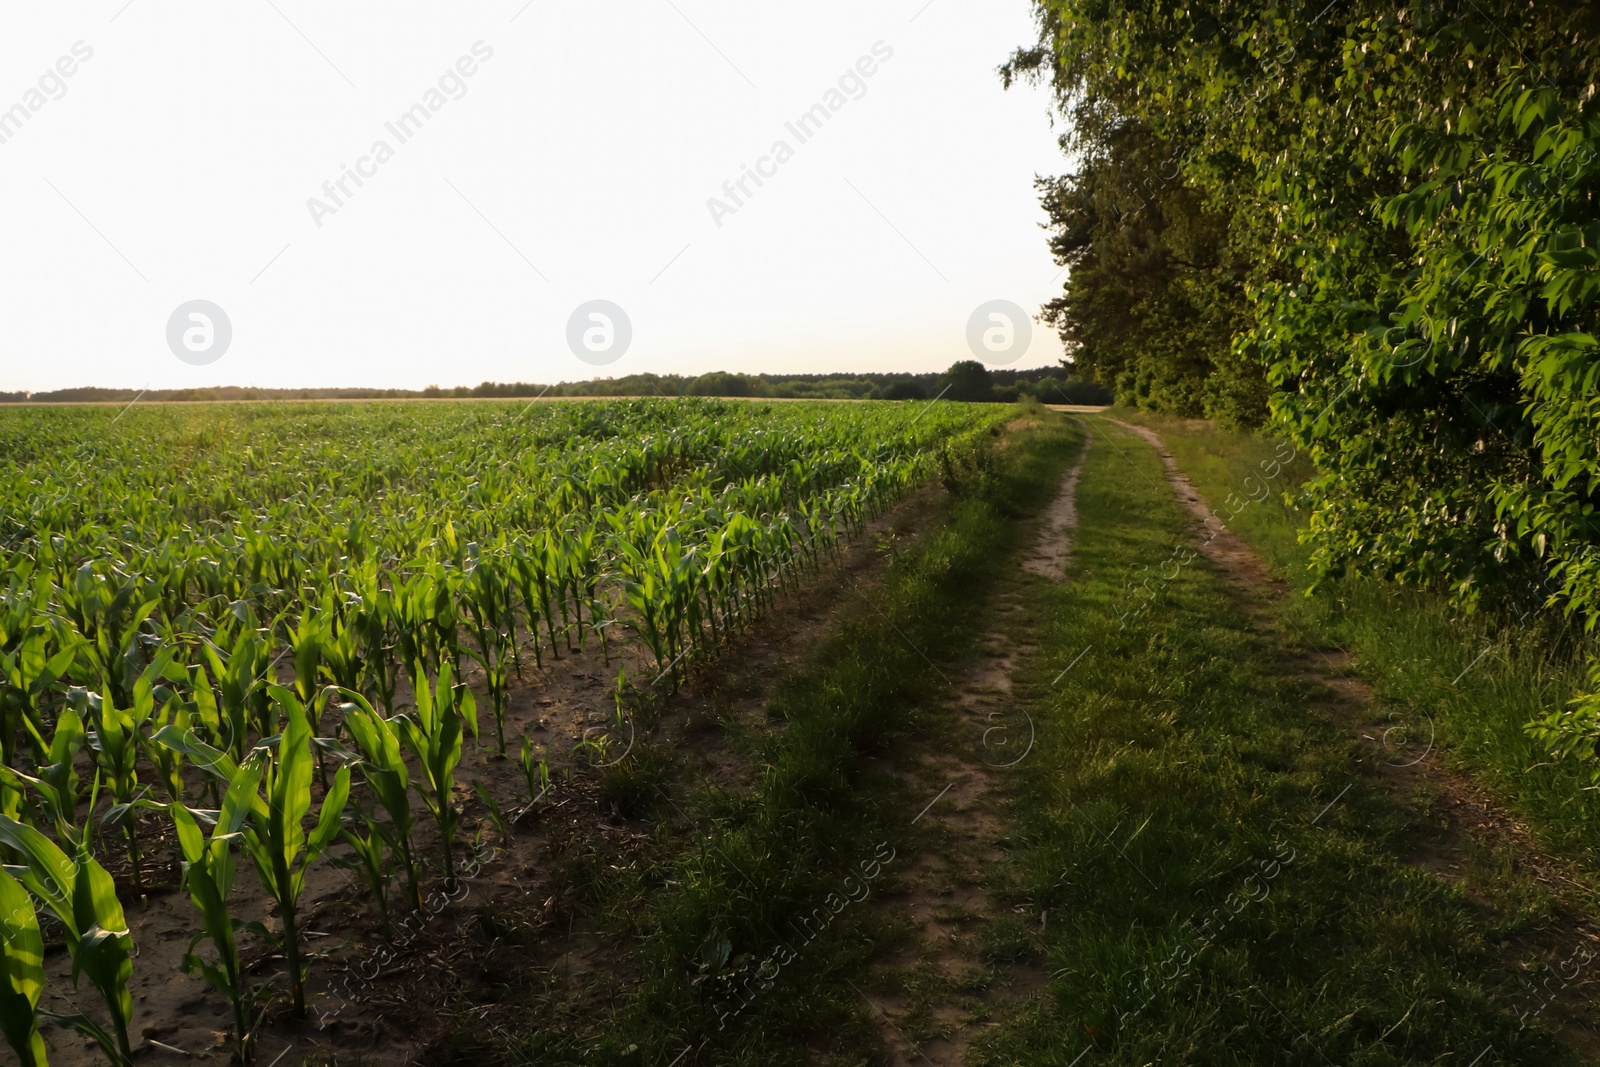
964	381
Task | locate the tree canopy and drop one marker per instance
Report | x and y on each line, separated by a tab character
1373	225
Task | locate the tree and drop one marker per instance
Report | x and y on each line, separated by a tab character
903	390
968	380
721	383
1412	194
1156	291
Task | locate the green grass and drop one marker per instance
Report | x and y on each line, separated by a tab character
1221	886
1475	681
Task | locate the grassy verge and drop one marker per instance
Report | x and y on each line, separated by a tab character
1212	880
742	945
1474	681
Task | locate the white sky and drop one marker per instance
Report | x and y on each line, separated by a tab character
590	143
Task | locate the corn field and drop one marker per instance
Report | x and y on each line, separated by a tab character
270	632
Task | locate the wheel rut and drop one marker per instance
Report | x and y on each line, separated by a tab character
963	954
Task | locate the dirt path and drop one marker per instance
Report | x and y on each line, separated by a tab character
1054	547
1460	817
965	957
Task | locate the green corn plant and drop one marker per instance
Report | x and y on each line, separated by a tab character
83	897
497	817
109	611
27	673
21	972
372	616
497	681
384	769
342	661
493	624
238	674
208	868
370	843
170	710
535	772
642	587
116	739
113	739
306	639
56	785
274	835
433	731
545	564
207	714
527	571
427	630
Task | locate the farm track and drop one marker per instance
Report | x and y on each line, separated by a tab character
937	992
1459	817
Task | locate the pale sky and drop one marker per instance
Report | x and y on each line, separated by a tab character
574	163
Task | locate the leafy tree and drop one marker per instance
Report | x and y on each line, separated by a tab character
721	383
903	390
1411	199
1156	291
968	380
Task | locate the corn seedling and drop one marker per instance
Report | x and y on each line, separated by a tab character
433	731
21	972
113	738
497	818
371	844
383	766
82	896
275	837
28	672
535	772
208	868
56	786
493	623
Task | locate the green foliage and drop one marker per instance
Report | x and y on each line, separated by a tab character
163	574
969	381
274	834
535	773
1156	291
21	972
81	895
387	776
208	869
1414	192
432	732
721	383
57	783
